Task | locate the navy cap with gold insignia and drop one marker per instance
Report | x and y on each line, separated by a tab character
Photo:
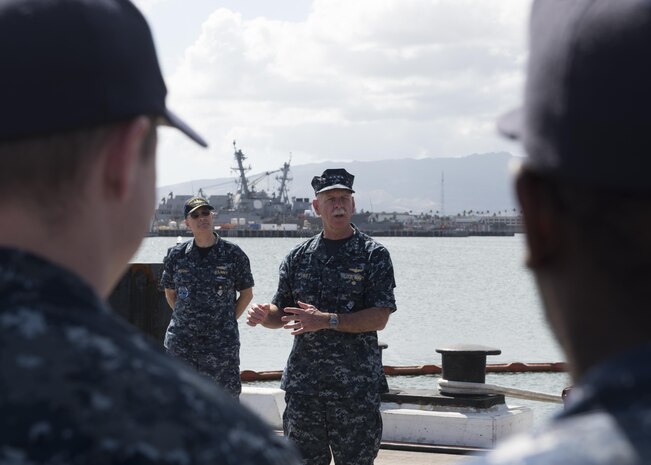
194	203
337	178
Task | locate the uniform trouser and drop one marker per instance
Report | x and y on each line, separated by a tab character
226	375
225	371
351	428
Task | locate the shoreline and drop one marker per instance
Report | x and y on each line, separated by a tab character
256	233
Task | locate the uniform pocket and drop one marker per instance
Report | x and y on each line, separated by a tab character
352	282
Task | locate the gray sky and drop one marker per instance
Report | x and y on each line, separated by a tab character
335	80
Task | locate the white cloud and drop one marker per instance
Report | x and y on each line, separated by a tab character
363	80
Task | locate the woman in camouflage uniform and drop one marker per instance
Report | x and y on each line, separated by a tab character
208	283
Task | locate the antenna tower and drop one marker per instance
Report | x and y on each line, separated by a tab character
284	178
442	193
241	169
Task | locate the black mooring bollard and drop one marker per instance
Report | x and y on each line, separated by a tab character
465	362
461	362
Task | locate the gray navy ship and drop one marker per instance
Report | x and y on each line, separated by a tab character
248	209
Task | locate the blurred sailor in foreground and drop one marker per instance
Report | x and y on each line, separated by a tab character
81	95
585	193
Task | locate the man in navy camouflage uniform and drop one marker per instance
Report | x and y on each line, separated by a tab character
585	192
202	278
335	292
81	95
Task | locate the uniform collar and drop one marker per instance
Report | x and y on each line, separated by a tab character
318	247
191	246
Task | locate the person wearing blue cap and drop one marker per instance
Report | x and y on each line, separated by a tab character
334	293
585	192
208	283
81	96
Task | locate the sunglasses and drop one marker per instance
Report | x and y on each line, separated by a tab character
196	215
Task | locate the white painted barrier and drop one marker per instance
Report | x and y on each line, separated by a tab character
447	426
267	403
471	428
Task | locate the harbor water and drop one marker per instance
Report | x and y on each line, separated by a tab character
449	290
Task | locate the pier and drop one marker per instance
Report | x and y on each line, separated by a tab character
236	232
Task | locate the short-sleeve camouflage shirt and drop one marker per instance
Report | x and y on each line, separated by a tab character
330	363
206	292
78	385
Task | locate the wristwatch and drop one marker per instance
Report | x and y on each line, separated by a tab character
334	321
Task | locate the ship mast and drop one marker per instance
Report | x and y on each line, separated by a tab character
283	195
243	182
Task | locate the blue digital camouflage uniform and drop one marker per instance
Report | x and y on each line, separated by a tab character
606	421
80	386
333	379
203	329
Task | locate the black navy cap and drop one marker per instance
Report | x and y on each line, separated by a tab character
74	64
586	115
195	203
333	179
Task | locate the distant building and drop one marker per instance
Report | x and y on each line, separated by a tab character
505	222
